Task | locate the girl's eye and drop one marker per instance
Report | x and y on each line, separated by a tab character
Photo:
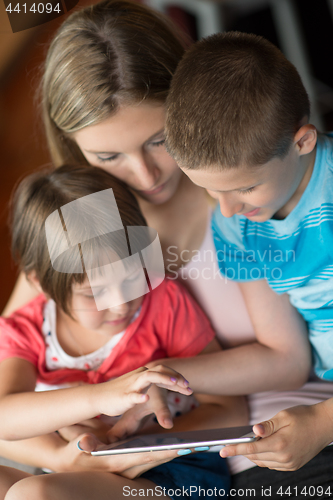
133	277
246	191
107	158
96	294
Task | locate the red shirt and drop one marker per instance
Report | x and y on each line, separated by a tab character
170	324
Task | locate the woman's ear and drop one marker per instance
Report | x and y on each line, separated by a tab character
306	139
34	281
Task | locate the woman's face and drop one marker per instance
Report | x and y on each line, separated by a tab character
130	145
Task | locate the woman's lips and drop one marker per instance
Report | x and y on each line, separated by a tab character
157	190
252	213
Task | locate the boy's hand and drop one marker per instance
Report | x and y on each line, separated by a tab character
290	439
131	422
122	393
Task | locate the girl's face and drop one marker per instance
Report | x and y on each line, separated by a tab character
102	305
130	145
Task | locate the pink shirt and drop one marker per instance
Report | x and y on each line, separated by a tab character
170	324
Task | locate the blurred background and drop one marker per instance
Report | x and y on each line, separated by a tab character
302	29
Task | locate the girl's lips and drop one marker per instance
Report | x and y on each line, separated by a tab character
117	321
252	213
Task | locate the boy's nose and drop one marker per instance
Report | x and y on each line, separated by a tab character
228	205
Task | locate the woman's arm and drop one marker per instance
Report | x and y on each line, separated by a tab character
23	292
25	413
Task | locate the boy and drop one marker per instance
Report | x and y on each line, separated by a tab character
238	125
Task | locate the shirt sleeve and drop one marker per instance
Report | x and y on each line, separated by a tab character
188	329
14	343
235	260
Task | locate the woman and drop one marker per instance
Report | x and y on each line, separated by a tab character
106	78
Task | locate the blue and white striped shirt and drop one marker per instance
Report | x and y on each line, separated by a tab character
295	254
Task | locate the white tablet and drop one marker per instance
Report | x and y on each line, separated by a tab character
180	440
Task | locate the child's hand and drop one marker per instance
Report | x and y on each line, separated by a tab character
131	422
70	459
93	426
120	394
290	439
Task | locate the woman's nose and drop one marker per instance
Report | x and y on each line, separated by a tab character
147	172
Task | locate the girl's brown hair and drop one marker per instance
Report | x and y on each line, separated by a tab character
42	193
111	53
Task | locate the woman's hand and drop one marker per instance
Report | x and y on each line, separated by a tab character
290	439
70	459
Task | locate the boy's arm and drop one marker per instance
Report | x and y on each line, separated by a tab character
214	412
279	360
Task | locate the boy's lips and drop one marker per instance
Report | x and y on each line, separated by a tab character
252	213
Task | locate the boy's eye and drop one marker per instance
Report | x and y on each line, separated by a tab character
159	143
246	191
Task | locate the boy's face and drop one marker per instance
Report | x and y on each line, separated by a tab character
260	192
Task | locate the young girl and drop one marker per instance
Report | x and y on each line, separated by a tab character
89	330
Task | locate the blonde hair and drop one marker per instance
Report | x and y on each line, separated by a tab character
111	53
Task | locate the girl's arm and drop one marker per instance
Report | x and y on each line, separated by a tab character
25	413
23	292
54	453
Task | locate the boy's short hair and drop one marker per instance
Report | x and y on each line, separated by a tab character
44	192
234	99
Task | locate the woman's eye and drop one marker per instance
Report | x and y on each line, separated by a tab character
107	158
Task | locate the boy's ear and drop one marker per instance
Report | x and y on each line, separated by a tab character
34	280
305	139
